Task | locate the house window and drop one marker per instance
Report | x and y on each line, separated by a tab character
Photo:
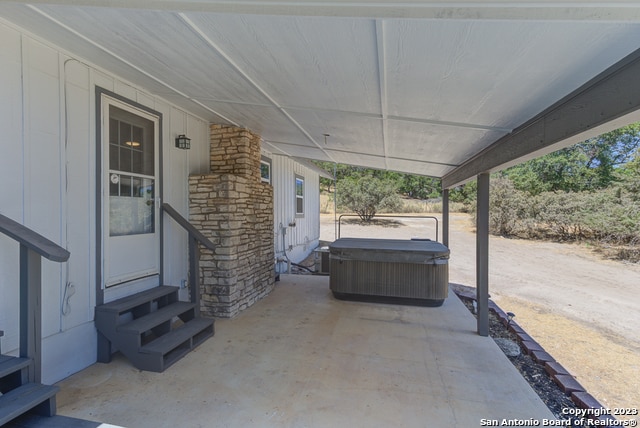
265	170
299	196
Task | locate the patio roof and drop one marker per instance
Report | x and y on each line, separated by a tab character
445	89
301	358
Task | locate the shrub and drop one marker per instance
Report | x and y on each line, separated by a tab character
418	206
367	195
561	213
507	208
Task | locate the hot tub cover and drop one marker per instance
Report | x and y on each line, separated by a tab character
389	250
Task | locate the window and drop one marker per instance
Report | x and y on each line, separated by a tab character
265	170
299	196
131	173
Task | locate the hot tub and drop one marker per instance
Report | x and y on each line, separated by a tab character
393	270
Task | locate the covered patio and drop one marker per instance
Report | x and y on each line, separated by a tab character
453	90
302	358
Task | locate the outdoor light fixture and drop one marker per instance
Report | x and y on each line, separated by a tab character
182	142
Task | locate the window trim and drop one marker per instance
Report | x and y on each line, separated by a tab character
298	197
265	161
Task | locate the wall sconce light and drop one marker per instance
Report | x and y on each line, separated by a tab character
182	142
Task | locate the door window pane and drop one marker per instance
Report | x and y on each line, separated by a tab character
131	206
131	173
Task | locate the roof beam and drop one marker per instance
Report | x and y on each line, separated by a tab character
621	11
599	106
382	83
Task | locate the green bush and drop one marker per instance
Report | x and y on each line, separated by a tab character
368	195
508	208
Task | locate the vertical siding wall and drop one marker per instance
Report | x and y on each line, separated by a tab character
301	240
47	171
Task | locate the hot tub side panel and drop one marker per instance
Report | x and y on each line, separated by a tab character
404	280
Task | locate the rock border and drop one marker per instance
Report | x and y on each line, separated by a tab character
560	375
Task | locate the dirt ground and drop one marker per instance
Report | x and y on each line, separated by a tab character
585	311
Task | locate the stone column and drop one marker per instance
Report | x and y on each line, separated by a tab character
233	208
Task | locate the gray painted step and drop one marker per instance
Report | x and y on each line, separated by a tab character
167	342
127	303
169	348
10	365
149	321
151	340
26	397
37	421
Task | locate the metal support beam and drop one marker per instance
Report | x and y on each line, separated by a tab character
30	310
598	106
445	217
625	11
482	254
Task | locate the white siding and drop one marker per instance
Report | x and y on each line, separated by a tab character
11	177
47	167
302	238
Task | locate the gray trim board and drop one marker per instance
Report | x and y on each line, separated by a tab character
482	254
582	114
445	217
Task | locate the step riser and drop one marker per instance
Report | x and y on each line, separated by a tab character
159	363
108	317
12	381
14	372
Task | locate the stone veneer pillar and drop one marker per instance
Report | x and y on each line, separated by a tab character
234	209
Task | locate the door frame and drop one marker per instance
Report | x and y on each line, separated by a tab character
100	93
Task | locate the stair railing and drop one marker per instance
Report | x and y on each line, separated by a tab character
33	247
195	237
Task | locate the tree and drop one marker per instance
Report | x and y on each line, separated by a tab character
341	171
629	176
589	165
366	195
420	187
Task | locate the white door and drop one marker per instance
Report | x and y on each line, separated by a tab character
131	235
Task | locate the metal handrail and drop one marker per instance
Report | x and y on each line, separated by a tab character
33	240
33	247
391	216
195	237
175	215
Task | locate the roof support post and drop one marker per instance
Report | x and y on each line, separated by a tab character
445	217
482	254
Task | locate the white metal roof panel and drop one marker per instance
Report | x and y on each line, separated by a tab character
415	86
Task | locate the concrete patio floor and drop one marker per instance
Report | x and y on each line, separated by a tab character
300	358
